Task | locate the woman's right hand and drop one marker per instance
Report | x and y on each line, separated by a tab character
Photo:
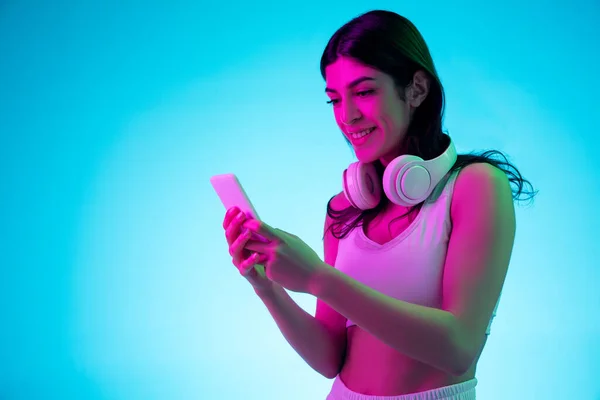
247	262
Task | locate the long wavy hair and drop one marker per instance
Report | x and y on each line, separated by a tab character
391	44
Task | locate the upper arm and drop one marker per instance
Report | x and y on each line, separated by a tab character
479	250
333	320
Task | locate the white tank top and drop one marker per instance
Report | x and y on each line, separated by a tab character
410	266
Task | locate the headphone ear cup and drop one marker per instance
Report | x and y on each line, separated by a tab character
361	186
406	182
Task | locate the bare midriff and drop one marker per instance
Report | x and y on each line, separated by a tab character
373	368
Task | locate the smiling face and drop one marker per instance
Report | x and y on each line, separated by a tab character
368	109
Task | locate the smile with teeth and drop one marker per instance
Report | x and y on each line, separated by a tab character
360	134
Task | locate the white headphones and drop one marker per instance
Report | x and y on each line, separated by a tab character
407	180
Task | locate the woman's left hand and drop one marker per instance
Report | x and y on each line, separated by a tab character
290	262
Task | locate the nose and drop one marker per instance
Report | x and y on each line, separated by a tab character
350	113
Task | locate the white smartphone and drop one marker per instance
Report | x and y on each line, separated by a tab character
232	194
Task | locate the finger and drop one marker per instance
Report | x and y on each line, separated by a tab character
258	238
237	247
229	215
262	259
261	228
253	260
258	246
249	263
233	230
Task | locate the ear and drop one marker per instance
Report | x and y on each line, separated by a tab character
418	90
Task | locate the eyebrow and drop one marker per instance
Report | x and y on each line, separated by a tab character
352	84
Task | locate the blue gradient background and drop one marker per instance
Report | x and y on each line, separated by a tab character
116	282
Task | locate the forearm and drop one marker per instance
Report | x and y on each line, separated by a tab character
307	336
426	334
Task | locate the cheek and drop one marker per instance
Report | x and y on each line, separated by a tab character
338	117
398	117
372	111
340	125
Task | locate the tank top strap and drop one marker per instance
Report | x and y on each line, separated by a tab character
444	189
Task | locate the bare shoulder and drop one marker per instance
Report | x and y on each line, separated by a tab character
481	182
479	252
481	171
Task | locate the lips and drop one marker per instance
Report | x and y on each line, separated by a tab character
361	140
357	131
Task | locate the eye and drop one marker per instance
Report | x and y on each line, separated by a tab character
362	93
365	92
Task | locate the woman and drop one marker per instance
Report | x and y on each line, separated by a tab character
415	254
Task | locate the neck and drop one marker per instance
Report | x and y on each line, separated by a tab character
401	150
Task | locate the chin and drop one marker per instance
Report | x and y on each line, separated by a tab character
367	156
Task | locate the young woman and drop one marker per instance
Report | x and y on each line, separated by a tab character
417	246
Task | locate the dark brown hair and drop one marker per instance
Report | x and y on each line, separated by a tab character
391	44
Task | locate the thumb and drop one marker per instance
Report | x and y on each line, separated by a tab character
262	228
